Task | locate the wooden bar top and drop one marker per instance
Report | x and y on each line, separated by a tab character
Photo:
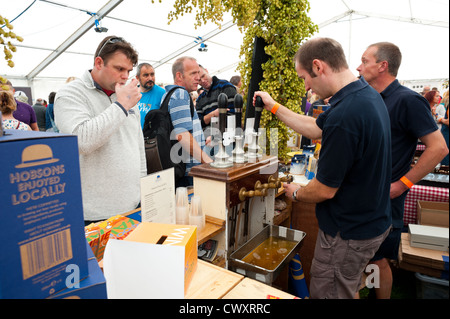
252	289
211	282
237	171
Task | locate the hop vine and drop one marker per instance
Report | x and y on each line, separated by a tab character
8	47
283	24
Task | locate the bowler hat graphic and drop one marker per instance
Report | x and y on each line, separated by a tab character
38	154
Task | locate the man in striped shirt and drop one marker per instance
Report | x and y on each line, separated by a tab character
187	128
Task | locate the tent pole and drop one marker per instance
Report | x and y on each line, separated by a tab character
350	39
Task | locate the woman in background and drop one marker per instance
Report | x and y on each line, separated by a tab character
437	110
444	122
8	106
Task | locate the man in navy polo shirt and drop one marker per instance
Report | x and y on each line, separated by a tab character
410	119
351	188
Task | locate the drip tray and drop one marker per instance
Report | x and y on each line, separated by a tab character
245	260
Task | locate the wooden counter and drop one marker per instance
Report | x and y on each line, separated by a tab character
211	282
252	289
303	218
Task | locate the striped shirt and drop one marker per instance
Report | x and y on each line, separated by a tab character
180	113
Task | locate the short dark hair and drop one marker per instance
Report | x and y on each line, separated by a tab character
111	44
325	49
235	79
141	65
387	51
51	98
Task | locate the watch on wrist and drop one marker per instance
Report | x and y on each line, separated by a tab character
294	195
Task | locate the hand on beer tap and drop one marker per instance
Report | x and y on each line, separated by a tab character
268	101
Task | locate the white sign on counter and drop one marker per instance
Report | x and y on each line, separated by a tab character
158	197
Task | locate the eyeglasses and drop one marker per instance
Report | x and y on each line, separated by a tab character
110	41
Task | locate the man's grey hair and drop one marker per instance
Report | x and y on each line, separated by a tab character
178	65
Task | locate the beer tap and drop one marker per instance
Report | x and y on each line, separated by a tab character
221	158
244	193
253	148
238	152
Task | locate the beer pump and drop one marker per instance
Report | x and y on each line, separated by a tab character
253	147
221	160
238	152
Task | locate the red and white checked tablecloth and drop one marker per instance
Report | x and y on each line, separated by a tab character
420	147
421	192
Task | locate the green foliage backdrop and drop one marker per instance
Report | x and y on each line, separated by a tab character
8	47
283	24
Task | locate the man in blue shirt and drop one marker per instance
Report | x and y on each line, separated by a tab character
351	188
410	120
151	93
187	130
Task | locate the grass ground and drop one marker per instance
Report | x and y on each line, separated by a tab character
403	287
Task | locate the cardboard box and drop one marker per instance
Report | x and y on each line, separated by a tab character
430	237
91	287
153	261
433	213
427	261
41	213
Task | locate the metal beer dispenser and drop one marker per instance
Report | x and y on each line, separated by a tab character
238	152
221	160
253	147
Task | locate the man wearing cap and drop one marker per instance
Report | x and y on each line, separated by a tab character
100	107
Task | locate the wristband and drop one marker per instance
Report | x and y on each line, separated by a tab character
406	181
275	108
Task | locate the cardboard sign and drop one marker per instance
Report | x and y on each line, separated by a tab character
41	213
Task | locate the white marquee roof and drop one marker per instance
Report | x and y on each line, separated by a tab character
59	37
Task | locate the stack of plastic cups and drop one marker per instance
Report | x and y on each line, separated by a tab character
196	217
182	206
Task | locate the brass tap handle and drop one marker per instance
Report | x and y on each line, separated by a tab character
259	185
243	193
270	184
277	182
286	179
274	181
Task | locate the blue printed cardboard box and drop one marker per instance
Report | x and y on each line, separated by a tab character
91	287
41	214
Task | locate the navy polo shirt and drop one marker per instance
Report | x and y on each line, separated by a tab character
410	118
355	157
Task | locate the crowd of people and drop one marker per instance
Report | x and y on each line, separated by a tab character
369	136
38	117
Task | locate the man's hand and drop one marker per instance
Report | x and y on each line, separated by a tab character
268	101
397	188
128	95
289	189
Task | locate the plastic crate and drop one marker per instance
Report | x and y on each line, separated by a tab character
431	288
